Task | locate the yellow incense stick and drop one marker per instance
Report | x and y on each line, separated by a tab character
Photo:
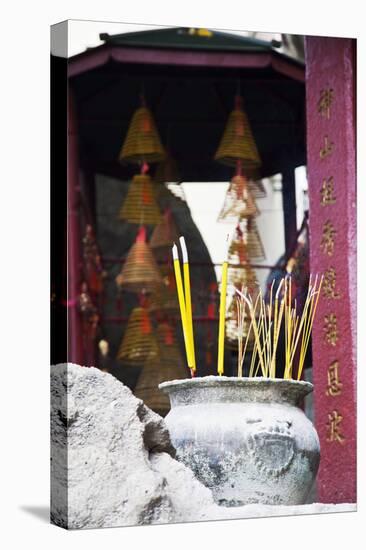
182	306
312	316
220	357
248	336
303	319
255	327
276	330
269	357
240	323
243	350
264	317
188	302
297	328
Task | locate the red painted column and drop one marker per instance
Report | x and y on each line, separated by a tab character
74	327
330	103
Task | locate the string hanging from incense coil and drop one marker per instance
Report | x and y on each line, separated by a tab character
239	202
140	204
139	342
167	365
140	270
142	142
237	142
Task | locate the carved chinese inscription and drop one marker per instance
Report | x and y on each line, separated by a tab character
325	102
334	427
327	148
328	237
329	284
334	386
327	192
331	329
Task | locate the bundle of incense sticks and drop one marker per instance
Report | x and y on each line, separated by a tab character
266	321
185	302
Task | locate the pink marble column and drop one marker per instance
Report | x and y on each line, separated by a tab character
330	103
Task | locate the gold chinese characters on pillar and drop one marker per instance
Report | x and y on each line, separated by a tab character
325	102
326	149
327	191
330	284
334	386
330	291
331	329
328	238
334	427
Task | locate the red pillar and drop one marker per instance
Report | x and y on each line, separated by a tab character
330	103
74	328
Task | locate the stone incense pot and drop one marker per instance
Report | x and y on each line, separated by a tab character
245	438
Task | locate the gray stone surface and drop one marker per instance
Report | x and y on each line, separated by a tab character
113	465
112	457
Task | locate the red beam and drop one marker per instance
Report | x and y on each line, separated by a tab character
100	56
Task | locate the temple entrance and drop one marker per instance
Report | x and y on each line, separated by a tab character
298	215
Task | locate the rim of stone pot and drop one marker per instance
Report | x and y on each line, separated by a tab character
234	389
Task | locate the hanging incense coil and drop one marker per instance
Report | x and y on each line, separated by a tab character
161	242
142	143
257	188
140	270
165	233
238	252
168	365
163	257
140	204
243	276
237	142
168	345
139	342
239	202
240	272
253	240
164	299
246	244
